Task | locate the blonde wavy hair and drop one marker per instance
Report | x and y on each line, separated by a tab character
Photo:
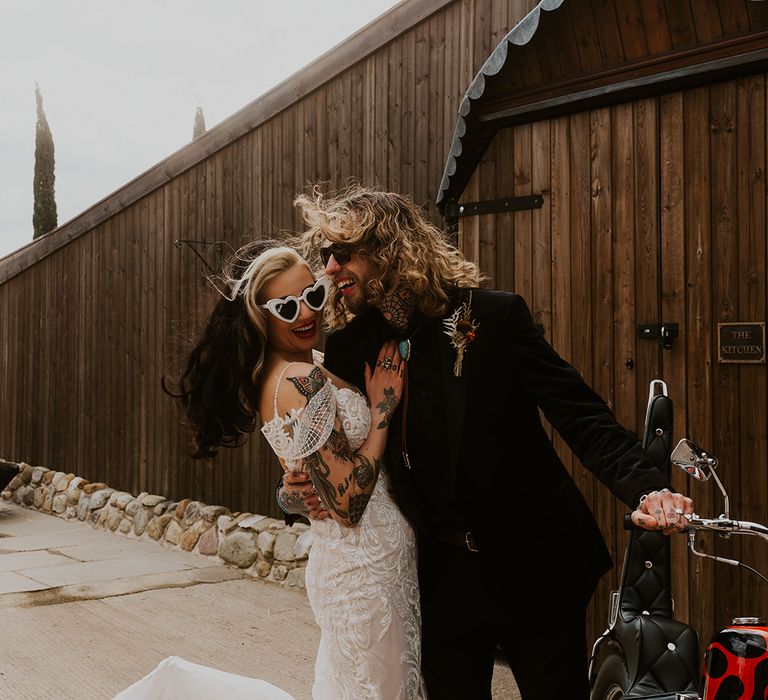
220	387
398	240
248	284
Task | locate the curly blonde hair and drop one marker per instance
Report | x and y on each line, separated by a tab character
398	239
220	387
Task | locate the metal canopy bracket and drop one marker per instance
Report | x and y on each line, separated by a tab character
457	210
216	246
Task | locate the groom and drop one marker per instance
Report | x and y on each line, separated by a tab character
509	553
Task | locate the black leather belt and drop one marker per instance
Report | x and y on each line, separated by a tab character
465	540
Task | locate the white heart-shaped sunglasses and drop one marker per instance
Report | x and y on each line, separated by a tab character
287	308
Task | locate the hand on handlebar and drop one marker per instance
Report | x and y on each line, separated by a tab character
663	510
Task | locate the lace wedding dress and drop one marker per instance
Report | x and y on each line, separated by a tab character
361	581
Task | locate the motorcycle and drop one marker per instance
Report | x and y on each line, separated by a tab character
648	654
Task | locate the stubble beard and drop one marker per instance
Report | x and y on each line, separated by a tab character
358	303
360	300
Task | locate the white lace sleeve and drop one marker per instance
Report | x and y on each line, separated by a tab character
306	429
315	423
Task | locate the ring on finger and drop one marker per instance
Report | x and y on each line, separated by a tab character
679	511
387	362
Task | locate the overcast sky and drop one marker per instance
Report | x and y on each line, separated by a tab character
121	81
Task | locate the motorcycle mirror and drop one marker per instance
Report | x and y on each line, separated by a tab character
693	460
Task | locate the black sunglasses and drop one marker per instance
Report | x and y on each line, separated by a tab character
342	254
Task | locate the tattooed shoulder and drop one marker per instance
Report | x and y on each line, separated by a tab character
308	386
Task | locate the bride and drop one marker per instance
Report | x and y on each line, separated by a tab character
256	357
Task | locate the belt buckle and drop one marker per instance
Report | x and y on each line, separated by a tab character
468	539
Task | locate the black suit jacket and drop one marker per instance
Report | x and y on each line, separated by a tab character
497	445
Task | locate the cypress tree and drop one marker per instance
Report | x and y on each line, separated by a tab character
44	217
199	127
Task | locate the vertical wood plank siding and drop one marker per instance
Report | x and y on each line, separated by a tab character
88	331
653	211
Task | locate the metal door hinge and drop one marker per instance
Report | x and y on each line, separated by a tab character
458	210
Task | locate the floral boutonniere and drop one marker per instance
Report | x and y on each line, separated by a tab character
461	328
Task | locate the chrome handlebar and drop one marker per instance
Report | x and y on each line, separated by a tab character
727	526
724	527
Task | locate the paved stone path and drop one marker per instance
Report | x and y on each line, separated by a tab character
85	613
48	559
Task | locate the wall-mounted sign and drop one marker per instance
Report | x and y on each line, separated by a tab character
741	342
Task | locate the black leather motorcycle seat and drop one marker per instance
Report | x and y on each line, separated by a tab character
646	576
667	658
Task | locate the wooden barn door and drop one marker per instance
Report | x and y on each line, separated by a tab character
713	245
654	212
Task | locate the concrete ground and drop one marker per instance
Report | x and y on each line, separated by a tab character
85	613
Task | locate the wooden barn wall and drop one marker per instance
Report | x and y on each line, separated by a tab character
88	331
653	211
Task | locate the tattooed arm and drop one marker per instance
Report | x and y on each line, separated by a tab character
344	486
344	479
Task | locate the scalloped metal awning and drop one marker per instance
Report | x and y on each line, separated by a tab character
474	140
565	57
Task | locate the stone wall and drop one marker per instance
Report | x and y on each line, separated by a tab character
263	547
